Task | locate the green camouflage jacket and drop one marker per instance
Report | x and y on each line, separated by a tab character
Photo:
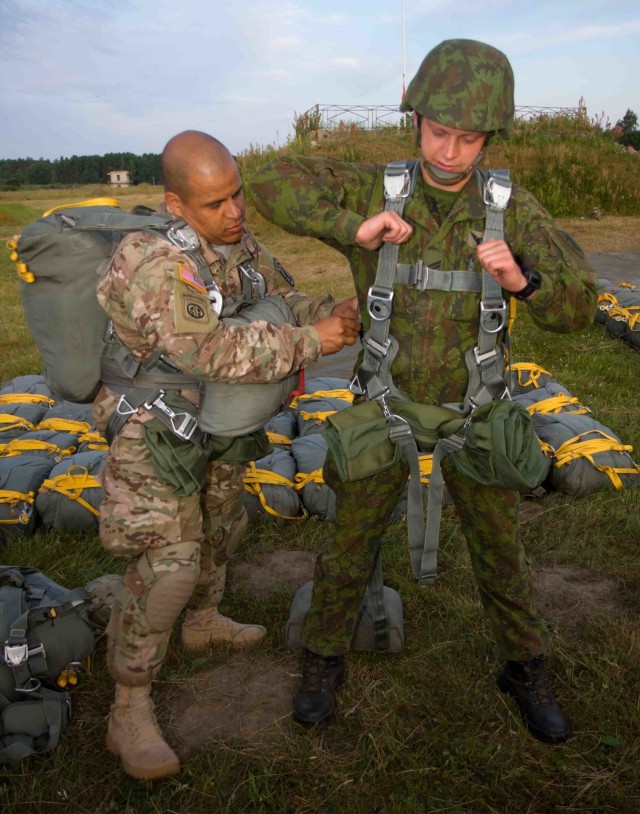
330	199
155	297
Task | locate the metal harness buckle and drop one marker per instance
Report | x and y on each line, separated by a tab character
379	304
183	238
182	424
493	318
15	655
397	182
124	408
496	194
255	279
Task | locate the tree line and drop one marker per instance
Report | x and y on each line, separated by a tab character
78	170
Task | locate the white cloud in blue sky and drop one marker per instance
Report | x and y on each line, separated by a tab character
95	76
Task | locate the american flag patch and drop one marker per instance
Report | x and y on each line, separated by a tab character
191	278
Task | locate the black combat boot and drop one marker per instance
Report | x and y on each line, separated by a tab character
526	681
321	676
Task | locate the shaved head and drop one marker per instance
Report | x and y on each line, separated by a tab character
202	185
191	154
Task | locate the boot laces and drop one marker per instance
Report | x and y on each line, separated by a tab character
316	672
537	686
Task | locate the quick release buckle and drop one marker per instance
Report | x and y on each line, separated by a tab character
379	304
254	278
496	194
493	318
183	238
15	655
182	424
397	182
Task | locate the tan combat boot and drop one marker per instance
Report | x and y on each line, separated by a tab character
134	736
204	627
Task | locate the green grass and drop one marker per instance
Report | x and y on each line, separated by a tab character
422	731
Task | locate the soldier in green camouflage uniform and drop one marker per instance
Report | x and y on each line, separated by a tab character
462	93
180	545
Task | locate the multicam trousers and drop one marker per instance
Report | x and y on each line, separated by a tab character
489	518
164	534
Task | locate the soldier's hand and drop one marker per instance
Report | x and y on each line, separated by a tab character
495	256
347	308
336	332
387	227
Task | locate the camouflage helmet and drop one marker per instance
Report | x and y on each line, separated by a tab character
466	85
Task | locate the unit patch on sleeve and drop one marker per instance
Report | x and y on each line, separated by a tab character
279	267
193	313
191	278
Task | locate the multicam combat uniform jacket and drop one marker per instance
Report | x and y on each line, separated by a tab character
154	303
330	199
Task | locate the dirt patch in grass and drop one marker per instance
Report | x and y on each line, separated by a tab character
275	571
249	697
572	595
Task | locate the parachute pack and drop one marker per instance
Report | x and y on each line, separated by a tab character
618	310
58	258
47	637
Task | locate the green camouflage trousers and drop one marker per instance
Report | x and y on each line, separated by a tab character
179	548
489	519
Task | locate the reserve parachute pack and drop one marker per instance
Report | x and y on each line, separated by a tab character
45	639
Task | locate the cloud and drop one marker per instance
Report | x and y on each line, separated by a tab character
347	62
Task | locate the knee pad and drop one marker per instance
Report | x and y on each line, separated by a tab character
169	575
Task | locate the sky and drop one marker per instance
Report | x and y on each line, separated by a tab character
88	77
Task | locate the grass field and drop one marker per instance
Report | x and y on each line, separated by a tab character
422	731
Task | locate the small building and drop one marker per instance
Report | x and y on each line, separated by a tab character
119	178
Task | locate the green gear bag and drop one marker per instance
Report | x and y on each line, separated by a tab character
501	449
44	628
33	726
498	445
183	463
358	437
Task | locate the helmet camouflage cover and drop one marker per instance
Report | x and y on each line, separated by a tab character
466	85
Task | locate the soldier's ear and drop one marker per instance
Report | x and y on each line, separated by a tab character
174	203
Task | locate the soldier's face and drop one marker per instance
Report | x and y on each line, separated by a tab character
215	206
449	149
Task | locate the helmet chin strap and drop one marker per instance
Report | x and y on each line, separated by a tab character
447	178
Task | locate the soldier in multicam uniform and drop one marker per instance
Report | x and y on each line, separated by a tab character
180	545
460	96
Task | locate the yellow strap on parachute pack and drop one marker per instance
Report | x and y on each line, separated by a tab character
24	273
26	398
14	422
64	425
302	478
558	404
277	438
577	448
19	445
94	441
88	202
6	496
346	395
256	478
534	371
71	484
